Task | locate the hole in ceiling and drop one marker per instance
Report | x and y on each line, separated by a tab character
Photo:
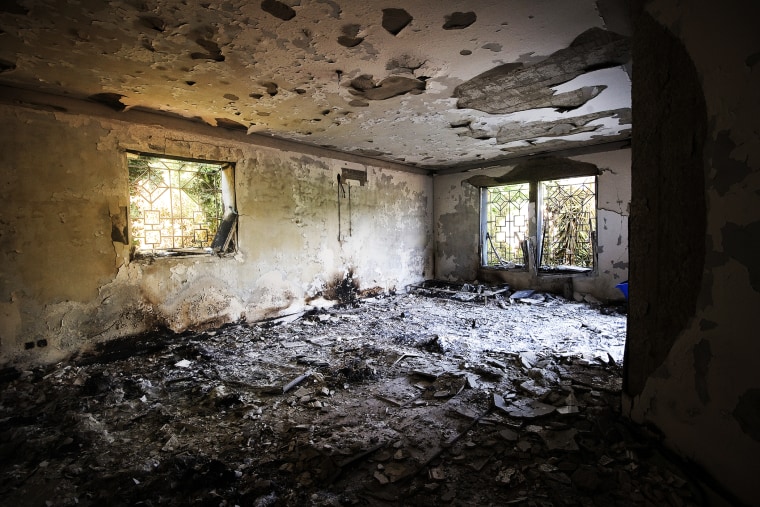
459	20
350	37
271	87
395	20
278	9
230	96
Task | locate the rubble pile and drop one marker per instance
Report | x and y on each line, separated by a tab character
400	400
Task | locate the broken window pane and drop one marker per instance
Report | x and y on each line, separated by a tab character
507	224
177	205
567	223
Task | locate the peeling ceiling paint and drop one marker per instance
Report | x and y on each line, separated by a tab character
430	84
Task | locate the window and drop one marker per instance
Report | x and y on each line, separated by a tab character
181	206
561	218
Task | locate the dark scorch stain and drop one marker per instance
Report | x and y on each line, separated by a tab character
350	36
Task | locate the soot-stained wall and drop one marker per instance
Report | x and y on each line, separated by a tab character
66	283
457	223
692	349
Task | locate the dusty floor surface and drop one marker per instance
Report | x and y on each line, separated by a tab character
401	400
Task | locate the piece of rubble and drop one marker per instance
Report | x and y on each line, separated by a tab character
524	408
559	439
290	385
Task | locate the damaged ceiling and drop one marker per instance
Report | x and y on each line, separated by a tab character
427	84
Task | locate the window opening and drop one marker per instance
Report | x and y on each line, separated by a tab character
568	215
506	224
563	221
179	206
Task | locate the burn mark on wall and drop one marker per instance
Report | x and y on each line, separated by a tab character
365	87
343	288
516	86
747	413
350	37
459	20
278	9
112	100
702	357
743	243
395	20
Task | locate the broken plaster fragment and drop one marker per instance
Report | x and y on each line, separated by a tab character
389	87
514	87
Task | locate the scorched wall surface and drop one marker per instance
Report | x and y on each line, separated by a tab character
66	284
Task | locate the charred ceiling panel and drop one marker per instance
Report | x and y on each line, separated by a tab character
516	87
386	72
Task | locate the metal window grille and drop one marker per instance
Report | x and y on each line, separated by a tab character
174	204
568	222
507	223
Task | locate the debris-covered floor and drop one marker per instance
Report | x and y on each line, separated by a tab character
400	400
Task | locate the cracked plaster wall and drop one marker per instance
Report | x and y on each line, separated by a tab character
457	221
692	349
66	284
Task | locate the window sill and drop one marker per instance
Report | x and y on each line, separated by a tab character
178	254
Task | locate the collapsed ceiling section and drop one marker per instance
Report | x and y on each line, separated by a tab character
429	84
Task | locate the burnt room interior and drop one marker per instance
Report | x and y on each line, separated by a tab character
313	252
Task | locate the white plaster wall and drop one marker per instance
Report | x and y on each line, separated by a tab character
65	281
457	210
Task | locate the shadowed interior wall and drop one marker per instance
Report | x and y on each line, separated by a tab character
67	283
692	349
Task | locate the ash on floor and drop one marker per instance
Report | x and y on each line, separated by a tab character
402	400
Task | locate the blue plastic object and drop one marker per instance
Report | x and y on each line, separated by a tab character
623	288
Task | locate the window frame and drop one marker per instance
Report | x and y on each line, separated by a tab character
533	256
225	241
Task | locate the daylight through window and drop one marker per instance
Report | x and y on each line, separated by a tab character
562	221
178	206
